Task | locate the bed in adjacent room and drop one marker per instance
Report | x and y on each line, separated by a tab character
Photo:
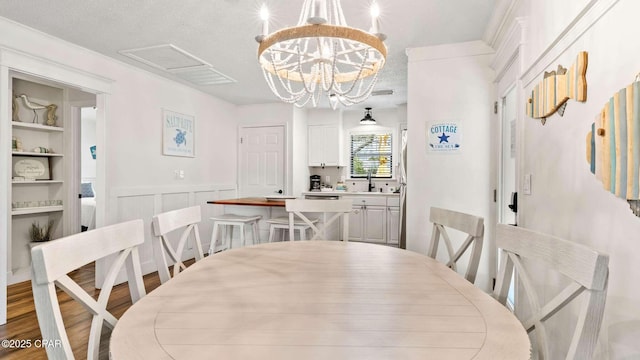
88	207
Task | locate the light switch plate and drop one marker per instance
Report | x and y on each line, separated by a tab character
526	184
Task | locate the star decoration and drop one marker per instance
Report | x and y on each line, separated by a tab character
443	138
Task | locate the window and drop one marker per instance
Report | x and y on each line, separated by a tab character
371	152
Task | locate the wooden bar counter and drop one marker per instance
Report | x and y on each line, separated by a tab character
250	201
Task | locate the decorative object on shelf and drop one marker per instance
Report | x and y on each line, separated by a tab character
31	167
42	150
40	233
51	110
551	95
613	145
16	144
14	110
178	134
93	151
367	119
322	55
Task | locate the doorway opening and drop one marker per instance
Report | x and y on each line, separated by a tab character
87	194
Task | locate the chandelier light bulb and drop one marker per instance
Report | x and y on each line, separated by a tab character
264	15
375	21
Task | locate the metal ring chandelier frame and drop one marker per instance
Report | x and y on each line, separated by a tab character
301	63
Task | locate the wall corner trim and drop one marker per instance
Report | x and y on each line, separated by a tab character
500	22
590	15
448	51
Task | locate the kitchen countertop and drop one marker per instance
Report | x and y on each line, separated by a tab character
348	193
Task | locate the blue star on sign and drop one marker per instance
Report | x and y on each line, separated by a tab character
443	138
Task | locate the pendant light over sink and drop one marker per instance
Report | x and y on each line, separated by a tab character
367	119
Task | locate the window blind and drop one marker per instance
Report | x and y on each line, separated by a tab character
371	153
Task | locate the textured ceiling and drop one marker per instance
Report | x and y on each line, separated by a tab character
221	32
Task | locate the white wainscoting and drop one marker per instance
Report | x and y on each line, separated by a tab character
143	203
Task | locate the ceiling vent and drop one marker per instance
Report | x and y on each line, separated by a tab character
172	59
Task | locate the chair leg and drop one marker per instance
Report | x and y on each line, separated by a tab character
303	233
272	232
228	230
256	235
242	235
214	239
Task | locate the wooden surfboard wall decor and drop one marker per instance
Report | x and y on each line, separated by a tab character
551	94
613	145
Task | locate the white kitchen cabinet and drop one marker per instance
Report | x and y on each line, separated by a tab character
368	221
325	145
393	225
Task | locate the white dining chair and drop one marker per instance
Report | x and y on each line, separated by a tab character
336	208
186	219
471	225
586	269
53	260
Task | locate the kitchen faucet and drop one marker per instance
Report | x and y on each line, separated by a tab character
371	186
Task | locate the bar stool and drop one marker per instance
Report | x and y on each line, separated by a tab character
230	220
282	223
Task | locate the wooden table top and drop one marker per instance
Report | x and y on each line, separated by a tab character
252	201
318	300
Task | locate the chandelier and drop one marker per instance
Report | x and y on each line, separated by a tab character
322	55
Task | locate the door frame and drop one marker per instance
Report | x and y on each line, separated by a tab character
286	177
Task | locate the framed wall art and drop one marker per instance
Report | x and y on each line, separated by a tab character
31	168
178	134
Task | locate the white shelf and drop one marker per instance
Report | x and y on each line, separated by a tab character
26	153
31	182
36	210
32	126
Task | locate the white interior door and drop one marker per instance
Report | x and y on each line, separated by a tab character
261	160
507	181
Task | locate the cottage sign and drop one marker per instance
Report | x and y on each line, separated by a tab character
178	134
444	137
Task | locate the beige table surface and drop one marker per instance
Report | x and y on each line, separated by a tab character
324	300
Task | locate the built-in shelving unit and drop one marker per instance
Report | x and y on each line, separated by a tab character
36	200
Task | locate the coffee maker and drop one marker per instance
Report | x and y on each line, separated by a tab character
314	183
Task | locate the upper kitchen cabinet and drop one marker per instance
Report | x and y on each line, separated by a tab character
325	138
325	145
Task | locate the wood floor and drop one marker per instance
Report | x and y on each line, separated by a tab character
22	322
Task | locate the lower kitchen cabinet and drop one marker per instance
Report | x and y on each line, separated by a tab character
393	225
369	220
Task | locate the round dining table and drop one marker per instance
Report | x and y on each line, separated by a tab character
318	300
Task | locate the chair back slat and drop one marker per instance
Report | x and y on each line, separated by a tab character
52	261
164	223
339	209
586	269
576	261
471	225
82	248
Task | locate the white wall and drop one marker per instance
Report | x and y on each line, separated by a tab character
132	130
450	83
566	200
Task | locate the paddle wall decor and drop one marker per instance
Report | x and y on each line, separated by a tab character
551	94
613	145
